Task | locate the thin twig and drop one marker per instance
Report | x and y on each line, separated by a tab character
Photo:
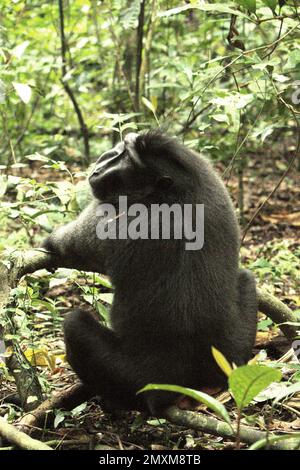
268	54
139	53
68	89
146	55
287	170
233	61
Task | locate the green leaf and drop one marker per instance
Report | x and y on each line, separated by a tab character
148	104
129	125
156	422
293	59
108	298
294	388
82	194
3	185
59	418
271	4
43	303
102	280
23	91
246	382
249	4
221	118
79	409
222	361
19	50
274	439
201	397
103	312
215	8
2	91
280	78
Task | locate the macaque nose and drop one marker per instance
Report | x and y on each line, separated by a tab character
95	172
108	158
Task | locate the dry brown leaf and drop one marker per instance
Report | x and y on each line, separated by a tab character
292	218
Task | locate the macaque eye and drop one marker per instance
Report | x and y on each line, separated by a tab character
165	182
130	145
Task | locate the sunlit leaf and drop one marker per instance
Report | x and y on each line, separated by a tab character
221	118
201	397
108	298
249	4
19	50
246	382
154	102
2	91
271	4
79	409
222	361
23	91
31	399
288	390
59	418
214	8
148	104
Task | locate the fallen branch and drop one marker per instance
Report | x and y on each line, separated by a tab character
58	444
21	263
66	399
201	422
75	395
20	439
279	313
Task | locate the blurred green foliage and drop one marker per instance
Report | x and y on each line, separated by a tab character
195	77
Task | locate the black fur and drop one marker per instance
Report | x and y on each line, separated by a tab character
171	305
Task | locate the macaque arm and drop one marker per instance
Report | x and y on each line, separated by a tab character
76	245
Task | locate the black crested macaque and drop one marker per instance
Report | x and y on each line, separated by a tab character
171	304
